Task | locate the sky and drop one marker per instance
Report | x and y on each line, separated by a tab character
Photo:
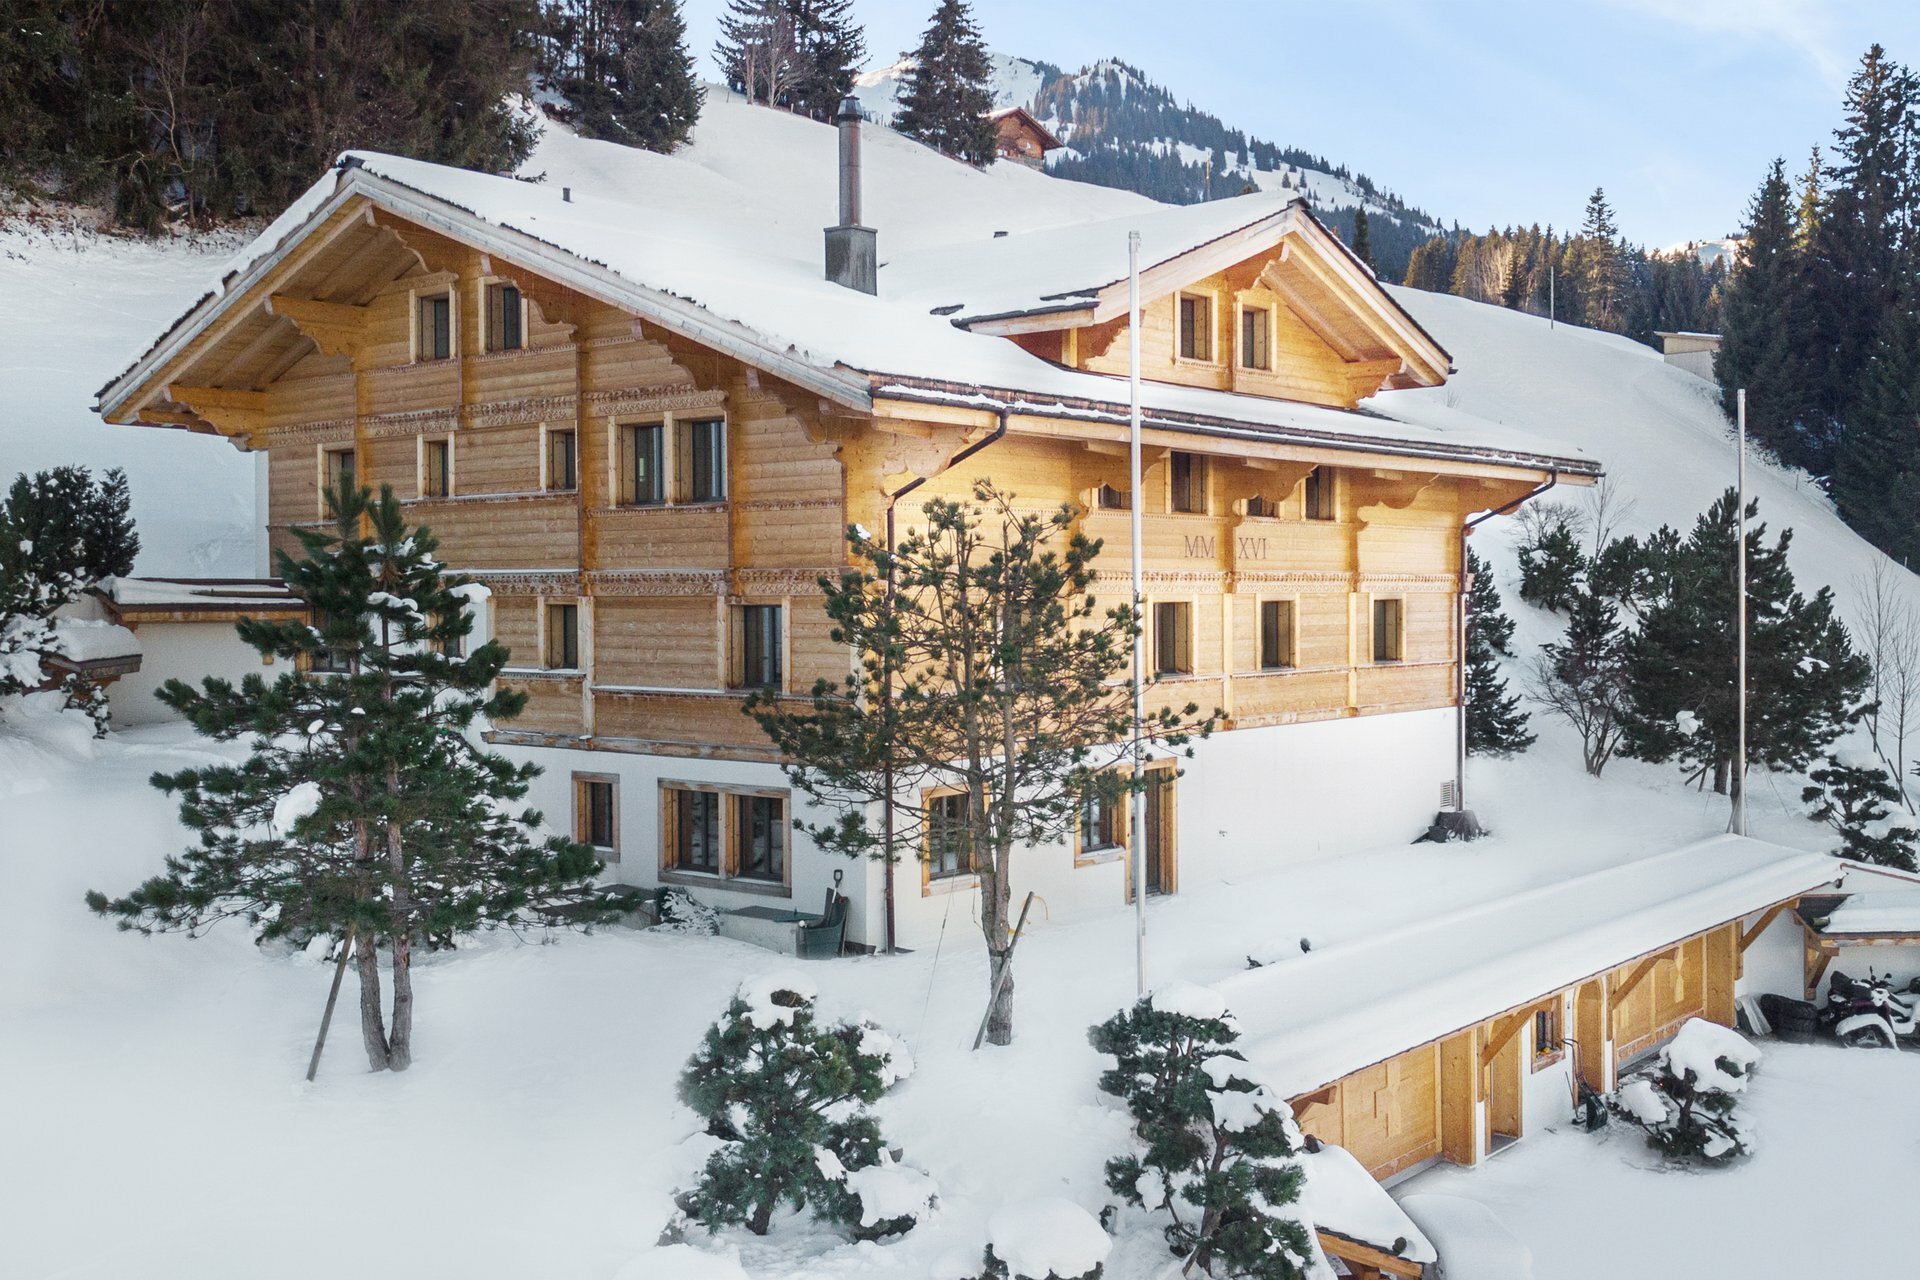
1485	112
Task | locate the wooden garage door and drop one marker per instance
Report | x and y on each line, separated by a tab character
1388	1115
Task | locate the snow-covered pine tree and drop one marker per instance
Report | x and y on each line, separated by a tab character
1551	567
788	1099
1686	1106
1876	476
948	94
1496	726
366	802
1215	1140
1803	676
1582	679
61	533
1759	347
632	78
1855	798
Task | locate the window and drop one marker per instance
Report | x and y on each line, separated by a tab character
760	837
505	318
1387	619
1547	1045
327	660
452	644
563	637
695	834
594	812
436	468
563	461
1172	638
1256	347
949	839
1262	508
1108	498
1317	498
435	340
759	646
642	481
1099	822
336	476
1276	634
1187	474
1196	327
703	460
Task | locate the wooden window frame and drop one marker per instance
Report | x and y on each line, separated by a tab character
1169	875
1242	312
324	456
675	486
1555	1012
1158	672
948	882
1110	497
1291	659
1093	855
422	471
1211	302
1331	482
727	874
683	429
1204	464
737	630
420	298
547	606
623	457
547	436
492	290
1399	635
582	820
1259	507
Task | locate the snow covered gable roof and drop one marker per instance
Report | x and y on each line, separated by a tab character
729	278
1314	1019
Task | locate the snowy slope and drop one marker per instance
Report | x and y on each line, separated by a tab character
1015	81
80	307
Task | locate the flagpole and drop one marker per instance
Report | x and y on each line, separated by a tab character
1740	615
1137	824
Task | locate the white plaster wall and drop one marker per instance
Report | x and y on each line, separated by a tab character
1546	1095
1697	363
1772	961
189	651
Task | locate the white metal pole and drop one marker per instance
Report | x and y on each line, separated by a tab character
1137	825
1740	614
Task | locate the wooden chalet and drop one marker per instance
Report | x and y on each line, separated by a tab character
1020	137
645	428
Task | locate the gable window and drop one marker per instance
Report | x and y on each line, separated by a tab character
1276	634
642	480
1388	620
1196	327
563	636
506	318
1108	498
563	461
336	475
1172	638
1187	487
1256	346
1099	822
1317	496
757	632
949	839
436	468
694	835
435	338
760	837
702	447
595	820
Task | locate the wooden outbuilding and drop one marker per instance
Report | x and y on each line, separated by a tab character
1020	137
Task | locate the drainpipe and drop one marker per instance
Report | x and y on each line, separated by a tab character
886	672
1466	827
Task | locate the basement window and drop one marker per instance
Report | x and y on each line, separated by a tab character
1172	638
435	338
596	813
1099	823
1389	622
1548	1043
1196	327
949	836
506	318
1256	342
693	831
760	837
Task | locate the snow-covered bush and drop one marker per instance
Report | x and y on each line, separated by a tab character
787	1099
1216	1140
681	913
1047	1238
1686	1106
1853	795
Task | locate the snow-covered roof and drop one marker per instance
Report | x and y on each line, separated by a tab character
1312	1019
201	593
1340	1196
1877	911
677	250
81	641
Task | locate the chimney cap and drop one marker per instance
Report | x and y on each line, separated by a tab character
849	110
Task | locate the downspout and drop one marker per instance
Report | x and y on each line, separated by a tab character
1460	664
886	671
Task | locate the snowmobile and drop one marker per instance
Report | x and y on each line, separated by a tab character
1865	1014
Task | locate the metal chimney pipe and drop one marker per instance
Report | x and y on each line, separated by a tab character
848	120
852	257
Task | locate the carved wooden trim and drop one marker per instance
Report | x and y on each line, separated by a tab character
1407	582
787	504
382	426
527	582
664	400
1296	577
528	411
658	582
784	582
325	431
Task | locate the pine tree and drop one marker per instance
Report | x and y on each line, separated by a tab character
633	80
948	95
1551	567
1598	275
1805	682
1362	237
987	671
1806	212
1876	478
1496	726
1687	1109
365	805
1855	799
788	1099
1214	1137
1582	679
61	533
831	47
1760	341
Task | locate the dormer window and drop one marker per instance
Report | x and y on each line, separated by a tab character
1196	327
435	339
1256	340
